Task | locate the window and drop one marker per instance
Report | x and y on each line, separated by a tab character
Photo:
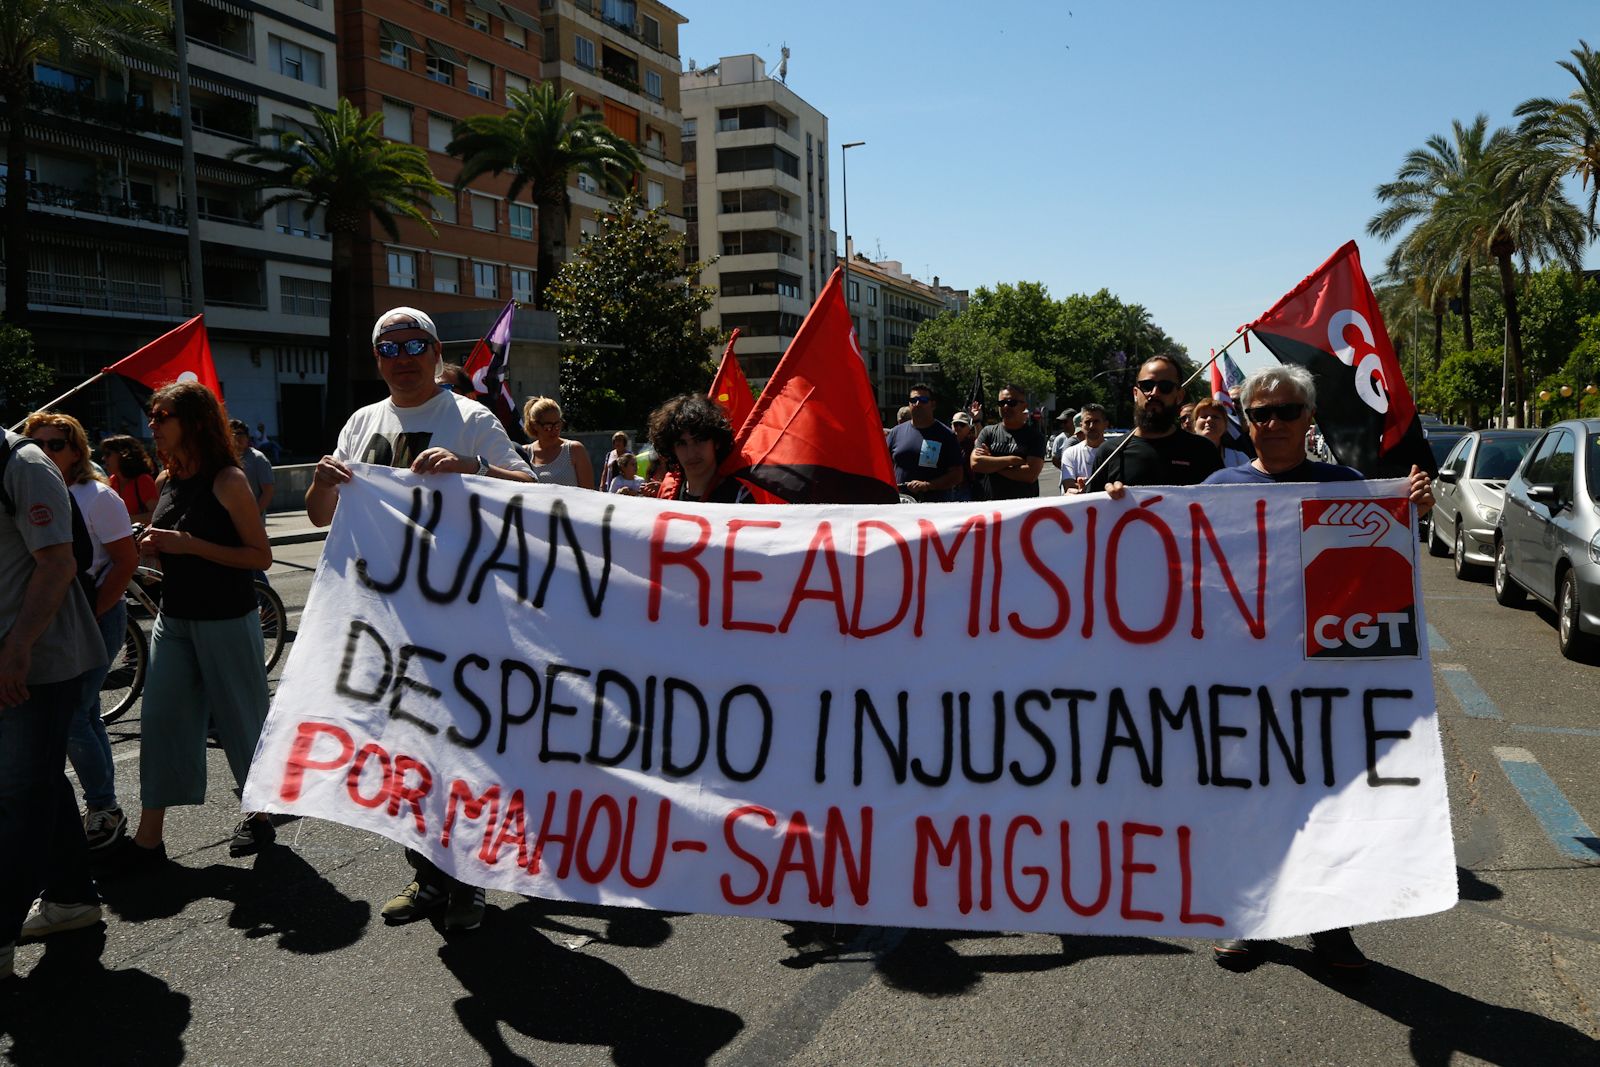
757	157
482	212
588	227
583	52
393	53
587	184
514	82
441	7
655	194
619	12
521	219
480	78
872	297
485	280
402	269
446	274
291	220
654	141
478	20
397	121
441	70
650	30
444	207
691	128
522	285
855	290
652	84
1592	462
514	35
295	61
304	296
441	131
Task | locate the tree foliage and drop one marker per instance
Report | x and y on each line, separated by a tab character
24	381
630	314
1468	382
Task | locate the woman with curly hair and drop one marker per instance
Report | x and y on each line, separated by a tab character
129	470
205	652
692	434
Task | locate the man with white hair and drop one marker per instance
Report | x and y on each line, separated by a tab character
428	430
1279	404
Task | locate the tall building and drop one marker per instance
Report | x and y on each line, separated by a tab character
109	261
620	59
757	196
887	305
425	66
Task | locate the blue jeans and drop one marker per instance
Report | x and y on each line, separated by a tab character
88	747
42	847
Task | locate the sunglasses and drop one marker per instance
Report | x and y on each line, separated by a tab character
158	417
919	400
55	444
556	425
1164	386
1008	403
1261	414
395	349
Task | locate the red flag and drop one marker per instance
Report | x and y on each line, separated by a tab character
730	389
486	370
182	355
1330	324
814	435
1219	391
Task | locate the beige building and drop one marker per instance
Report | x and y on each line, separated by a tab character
756	195
620	58
888	305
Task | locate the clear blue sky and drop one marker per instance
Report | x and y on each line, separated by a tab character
1198	158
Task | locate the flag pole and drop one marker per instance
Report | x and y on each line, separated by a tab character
80	387
1199	371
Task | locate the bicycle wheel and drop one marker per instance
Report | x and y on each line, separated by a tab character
274	622
125	681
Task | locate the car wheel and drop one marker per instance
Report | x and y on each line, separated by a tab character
1575	644
1506	590
1466	571
1436	547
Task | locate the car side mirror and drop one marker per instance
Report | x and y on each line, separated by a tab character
1547	494
1449	475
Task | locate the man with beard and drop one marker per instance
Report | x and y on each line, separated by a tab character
1157	452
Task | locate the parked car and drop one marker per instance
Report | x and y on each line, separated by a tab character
1441	439
1470	493
1547	543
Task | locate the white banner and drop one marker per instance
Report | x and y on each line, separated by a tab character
1191	712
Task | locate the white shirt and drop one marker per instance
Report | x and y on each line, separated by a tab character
393	436
1077	462
619	483
106	518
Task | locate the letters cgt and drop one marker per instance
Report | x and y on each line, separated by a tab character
1194	712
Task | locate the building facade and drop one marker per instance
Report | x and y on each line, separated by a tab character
109	266
887	305
756	195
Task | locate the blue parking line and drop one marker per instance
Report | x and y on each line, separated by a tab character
1560	820
1574	731
1436	640
1473	700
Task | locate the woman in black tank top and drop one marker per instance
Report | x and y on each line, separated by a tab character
206	659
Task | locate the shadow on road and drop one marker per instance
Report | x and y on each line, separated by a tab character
927	962
1471	887
624	927
283	896
515	977
71	1009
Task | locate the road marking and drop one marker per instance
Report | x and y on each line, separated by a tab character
1473	700
1560	820
1574	731
1436	640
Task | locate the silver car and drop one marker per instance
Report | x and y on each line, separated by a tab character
1547	543
1469	494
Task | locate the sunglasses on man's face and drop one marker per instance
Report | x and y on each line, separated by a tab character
1261	414
395	349
1164	386
54	444
1008	403
919	400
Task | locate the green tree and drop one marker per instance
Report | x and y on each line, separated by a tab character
1571	127
1466	381
962	346
345	167
1554	302
59	31
631	315
542	146
24	381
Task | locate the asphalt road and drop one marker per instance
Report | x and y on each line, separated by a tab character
283	959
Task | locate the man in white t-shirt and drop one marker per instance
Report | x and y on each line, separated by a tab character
1078	461
429	431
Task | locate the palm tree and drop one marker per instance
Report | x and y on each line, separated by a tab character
346	168
1424	281
541	146
55	31
1571	127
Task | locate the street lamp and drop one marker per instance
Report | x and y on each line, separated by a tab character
844	176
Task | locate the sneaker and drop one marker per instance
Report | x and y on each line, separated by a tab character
251	836
1233	953
466	908
412	901
47	917
1337	950
104	827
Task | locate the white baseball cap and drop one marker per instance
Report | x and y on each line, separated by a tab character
404	318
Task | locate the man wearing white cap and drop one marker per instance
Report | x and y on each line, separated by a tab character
430	431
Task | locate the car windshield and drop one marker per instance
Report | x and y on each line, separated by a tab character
1591	466
1498	458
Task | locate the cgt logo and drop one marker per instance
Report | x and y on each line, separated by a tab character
1357	563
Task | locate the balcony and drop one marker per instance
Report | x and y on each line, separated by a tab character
620	77
98	295
86	203
116	114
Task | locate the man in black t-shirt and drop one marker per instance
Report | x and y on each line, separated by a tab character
1157	452
1010	452
928	461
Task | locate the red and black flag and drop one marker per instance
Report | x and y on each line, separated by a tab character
486	370
730	389
179	355
814	436
1330	324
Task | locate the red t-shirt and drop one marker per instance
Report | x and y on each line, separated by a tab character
137	495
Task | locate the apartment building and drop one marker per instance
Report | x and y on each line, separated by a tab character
620	59
425	66
887	305
107	218
757	197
